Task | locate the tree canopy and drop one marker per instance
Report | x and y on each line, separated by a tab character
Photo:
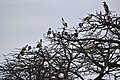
90	48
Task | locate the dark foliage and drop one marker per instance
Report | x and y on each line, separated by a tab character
91	48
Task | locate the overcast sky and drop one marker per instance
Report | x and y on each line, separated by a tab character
25	21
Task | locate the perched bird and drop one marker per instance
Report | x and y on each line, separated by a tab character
106	8
99	14
58	34
29	48
66	33
22	53
76	33
64	23
41	41
80	24
39	45
54	35
18	56
87	18
23	50
49	31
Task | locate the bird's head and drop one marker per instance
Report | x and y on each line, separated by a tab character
90	14
104	2
40	40
49	29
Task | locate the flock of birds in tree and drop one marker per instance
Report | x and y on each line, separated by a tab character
26	48
65	25
87	18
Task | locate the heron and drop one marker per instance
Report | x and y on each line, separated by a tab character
64	23
106	8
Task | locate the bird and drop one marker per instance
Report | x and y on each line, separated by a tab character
22	53
76	33
49	31
41	41
87	18
23	50
80	24
29	48
54	35
64	23
39	45
18	56
66	33
106	8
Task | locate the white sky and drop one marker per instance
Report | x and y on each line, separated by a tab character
25	21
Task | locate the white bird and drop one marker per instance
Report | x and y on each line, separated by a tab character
106	8
64	23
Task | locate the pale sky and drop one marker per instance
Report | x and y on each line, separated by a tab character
25	21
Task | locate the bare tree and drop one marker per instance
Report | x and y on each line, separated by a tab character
90	48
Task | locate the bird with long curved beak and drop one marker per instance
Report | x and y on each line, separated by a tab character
106	8
64	23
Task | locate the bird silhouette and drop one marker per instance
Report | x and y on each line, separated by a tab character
29	48
106	8
18	56
39	45
66	33
49	31
76	33
22	53
87	18
54	34
64	23
80	24
24	48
